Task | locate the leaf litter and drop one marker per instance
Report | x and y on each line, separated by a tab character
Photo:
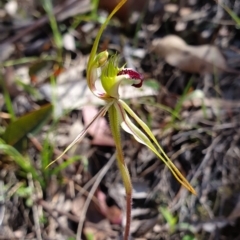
193	59
203	140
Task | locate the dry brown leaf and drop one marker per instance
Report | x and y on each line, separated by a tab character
99	130
113	213
193	59
78	205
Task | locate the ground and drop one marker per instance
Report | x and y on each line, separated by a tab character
189	55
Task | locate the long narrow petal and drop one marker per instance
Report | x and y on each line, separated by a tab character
80	136
95	44
90	67
141	137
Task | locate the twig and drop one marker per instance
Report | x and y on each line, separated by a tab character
2	203
51	209
101	174
184	192
63	229
43	20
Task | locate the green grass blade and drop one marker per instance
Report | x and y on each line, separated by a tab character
23	162
65	164
232	14
47	5
8	100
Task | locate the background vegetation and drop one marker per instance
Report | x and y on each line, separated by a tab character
189	55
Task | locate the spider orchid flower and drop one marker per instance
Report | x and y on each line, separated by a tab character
120	113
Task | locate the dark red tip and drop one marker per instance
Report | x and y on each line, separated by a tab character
134	75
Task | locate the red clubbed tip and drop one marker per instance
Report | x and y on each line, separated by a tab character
134	75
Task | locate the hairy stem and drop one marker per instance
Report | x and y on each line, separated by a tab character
115	128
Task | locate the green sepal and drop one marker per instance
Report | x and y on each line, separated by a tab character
109	79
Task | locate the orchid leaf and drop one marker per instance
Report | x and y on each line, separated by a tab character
29	123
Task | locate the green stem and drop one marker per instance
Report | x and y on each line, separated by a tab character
115	128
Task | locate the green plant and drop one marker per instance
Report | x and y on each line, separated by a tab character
22	161
174	226
48	7
26	165
57	37
188	237
168	216
179	104
25	192
92	16
232	14
111	77
7	99
13	141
